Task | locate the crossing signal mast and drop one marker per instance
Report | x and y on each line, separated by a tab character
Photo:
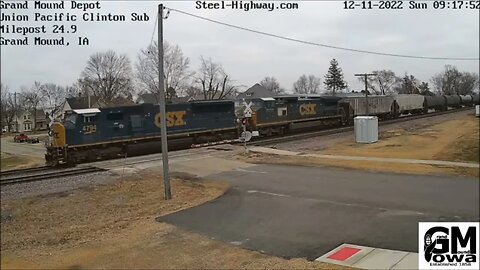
247	113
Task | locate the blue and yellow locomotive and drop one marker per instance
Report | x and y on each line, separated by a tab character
91	134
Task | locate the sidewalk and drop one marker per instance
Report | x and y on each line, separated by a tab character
272	151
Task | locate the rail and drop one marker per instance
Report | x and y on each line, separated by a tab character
47	174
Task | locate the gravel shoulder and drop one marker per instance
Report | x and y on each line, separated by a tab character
112	225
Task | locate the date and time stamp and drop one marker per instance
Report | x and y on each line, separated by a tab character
414	5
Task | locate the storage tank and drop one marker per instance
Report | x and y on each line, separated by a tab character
453	101
436	102
409	103
366	129
466	100
377	105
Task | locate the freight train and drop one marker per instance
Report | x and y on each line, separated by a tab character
98	133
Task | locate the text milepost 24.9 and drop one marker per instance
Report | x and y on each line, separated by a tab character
46	23
412	5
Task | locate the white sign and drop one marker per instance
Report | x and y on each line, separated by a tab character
448	245
246	136
247	112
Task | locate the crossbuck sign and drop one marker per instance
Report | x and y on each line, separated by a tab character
248	109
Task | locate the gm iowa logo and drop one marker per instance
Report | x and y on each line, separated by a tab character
448	245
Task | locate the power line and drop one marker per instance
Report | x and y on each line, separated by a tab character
154	28
324	45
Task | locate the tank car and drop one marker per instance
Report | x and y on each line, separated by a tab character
437	103
466	100
453	101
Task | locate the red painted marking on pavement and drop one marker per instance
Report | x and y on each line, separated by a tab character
344	253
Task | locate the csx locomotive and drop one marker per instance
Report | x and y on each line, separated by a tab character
92	134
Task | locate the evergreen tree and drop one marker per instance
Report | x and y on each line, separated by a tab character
334	78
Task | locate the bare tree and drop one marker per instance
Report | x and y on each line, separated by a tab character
408	85
31	99
176	69
53	96
468	82
307	85
107	76
9	107
424	89
447	81
213	82
271	84
73	90
383	83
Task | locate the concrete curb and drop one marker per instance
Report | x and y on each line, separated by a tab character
267	150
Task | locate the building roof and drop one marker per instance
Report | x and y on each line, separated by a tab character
40	114
82	102
148	98
256	91
87	111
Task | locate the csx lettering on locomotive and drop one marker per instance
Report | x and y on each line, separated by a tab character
308	109
173	119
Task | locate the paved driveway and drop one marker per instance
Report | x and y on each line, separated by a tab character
305	212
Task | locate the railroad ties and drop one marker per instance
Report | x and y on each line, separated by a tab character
42	173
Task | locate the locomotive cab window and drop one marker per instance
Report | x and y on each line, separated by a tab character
89	118
282	111
70	121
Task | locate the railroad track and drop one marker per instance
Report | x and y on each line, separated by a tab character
39	174
22	171
45	172
288	138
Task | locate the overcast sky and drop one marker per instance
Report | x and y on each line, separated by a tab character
249	57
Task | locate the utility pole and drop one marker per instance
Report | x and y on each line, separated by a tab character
365	77
163	122
16	111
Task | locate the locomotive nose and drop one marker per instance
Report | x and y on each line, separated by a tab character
57	135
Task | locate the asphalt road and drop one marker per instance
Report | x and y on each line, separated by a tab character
292	211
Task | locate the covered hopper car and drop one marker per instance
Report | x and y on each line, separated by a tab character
382	106
406	104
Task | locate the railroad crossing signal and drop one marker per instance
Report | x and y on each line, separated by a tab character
247	112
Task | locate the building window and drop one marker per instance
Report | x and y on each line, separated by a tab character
24	117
